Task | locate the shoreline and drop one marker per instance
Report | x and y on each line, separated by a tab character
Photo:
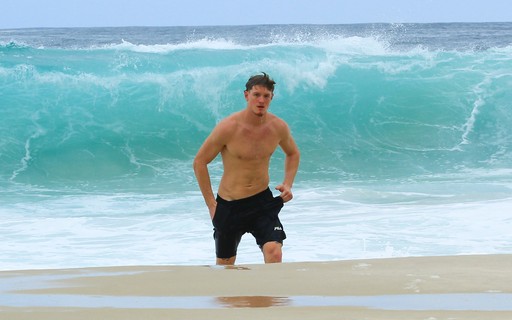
466	287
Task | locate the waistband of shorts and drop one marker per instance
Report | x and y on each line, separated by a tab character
257	196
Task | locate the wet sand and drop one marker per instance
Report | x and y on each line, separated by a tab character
461	287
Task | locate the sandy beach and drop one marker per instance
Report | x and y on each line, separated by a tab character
449	287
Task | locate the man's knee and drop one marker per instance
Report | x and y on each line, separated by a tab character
272	252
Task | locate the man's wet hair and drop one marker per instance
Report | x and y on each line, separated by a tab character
260	80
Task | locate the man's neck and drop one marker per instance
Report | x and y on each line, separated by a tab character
254	119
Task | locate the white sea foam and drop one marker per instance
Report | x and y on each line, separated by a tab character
202	44
322	223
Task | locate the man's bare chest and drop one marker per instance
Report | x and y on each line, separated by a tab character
253	145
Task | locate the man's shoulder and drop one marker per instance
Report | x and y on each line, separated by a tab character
230	120
228	124
278	123
277	119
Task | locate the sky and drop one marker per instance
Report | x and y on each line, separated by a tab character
116	13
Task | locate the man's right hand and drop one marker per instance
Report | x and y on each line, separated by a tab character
212	209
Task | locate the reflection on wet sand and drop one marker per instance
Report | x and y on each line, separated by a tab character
252	302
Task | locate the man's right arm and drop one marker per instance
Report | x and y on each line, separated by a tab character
211	147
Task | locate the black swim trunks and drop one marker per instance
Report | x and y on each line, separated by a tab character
257	214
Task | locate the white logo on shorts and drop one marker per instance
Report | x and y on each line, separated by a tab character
278	228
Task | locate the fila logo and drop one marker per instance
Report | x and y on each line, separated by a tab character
278	228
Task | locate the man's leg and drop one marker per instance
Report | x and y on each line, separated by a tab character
226	245
272	252
226	261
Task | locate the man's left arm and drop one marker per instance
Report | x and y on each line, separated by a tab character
291	165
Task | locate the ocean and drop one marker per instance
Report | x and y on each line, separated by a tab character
405	132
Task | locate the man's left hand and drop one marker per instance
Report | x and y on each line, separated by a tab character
286	192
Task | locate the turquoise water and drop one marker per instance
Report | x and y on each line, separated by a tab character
405	130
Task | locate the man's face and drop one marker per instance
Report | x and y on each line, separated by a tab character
258	99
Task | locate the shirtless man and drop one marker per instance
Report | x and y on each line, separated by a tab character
246	140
